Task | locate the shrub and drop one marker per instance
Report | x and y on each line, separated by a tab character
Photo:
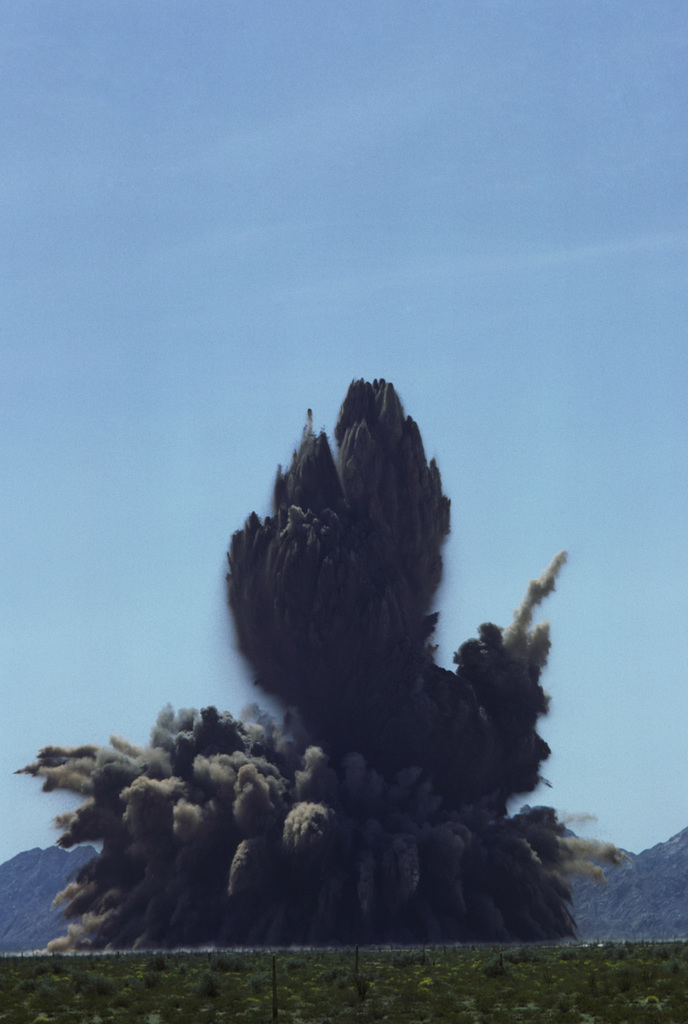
94	983
260	981
526	955
361	984
229	963
624	980
208	987
296	963
47	990
157	963
484	1001
407	958
331	974
495	966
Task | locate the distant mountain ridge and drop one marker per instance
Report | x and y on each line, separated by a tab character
29	883
646	897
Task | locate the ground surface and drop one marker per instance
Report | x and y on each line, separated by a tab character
596	983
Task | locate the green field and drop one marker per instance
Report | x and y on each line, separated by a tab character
607	982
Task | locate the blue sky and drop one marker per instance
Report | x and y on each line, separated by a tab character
215	215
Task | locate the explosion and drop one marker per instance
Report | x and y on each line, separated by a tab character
377	810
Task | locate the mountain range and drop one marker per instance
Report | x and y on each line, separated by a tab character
645	897
28	885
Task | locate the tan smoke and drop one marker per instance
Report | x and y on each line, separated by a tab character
521	638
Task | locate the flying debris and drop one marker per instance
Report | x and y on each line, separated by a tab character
377	810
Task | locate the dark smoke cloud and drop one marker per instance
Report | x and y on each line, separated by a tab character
378	810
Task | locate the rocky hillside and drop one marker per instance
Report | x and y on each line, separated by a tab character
646	897
28	885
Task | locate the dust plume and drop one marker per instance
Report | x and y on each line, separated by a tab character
586	857
377	810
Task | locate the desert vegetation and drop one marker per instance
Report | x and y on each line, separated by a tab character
589	983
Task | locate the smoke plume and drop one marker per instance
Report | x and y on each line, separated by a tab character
377	811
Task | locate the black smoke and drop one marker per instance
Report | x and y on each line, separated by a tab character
377	811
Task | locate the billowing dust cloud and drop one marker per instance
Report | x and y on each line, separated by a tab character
377	811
